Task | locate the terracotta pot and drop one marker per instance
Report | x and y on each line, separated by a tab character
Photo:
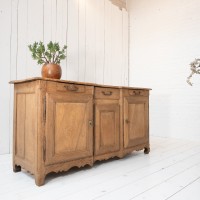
51	70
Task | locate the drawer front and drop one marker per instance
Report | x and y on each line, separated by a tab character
70	88
63	87
137	92
106	93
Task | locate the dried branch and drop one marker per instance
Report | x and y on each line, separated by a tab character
195	69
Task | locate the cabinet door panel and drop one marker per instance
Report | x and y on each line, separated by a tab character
106	128
68	131
135	121
26	124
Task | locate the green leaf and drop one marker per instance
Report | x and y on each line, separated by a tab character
51	53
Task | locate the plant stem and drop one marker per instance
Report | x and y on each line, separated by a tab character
55	59
45	58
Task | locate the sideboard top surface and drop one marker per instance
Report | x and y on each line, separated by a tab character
72	82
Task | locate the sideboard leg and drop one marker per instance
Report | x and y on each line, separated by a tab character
39	180
16	168
146	150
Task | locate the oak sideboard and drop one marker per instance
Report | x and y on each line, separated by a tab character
61	124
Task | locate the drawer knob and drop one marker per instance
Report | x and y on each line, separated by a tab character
127	121
107	93
91	123
136	92
71	87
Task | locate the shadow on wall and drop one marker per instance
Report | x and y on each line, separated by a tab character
159	115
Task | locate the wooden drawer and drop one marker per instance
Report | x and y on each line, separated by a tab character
69	88
106	93
65	87
138	92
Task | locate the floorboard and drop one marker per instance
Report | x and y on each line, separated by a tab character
170	171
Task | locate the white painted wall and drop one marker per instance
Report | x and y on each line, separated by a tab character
95	31
164	39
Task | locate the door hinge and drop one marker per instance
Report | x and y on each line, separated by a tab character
44	148
44	109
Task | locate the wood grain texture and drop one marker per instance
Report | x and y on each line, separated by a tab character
135	121
20	118
81	83
56	128
106	93
25	127
69	134
107	138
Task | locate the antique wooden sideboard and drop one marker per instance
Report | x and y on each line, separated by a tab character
60	124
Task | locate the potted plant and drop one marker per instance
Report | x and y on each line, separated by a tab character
195	69
50	56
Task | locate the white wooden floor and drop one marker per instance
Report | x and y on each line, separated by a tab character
170	171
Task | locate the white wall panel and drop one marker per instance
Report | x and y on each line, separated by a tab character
22	32
108	47
61	34
125	47
53	19
5	24
116	46
92	29
82	40
47	14
35	33
72	40
90	72
100	41
64	35
13	64
59	22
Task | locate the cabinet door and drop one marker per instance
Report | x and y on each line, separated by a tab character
69	131
135	121
106	128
